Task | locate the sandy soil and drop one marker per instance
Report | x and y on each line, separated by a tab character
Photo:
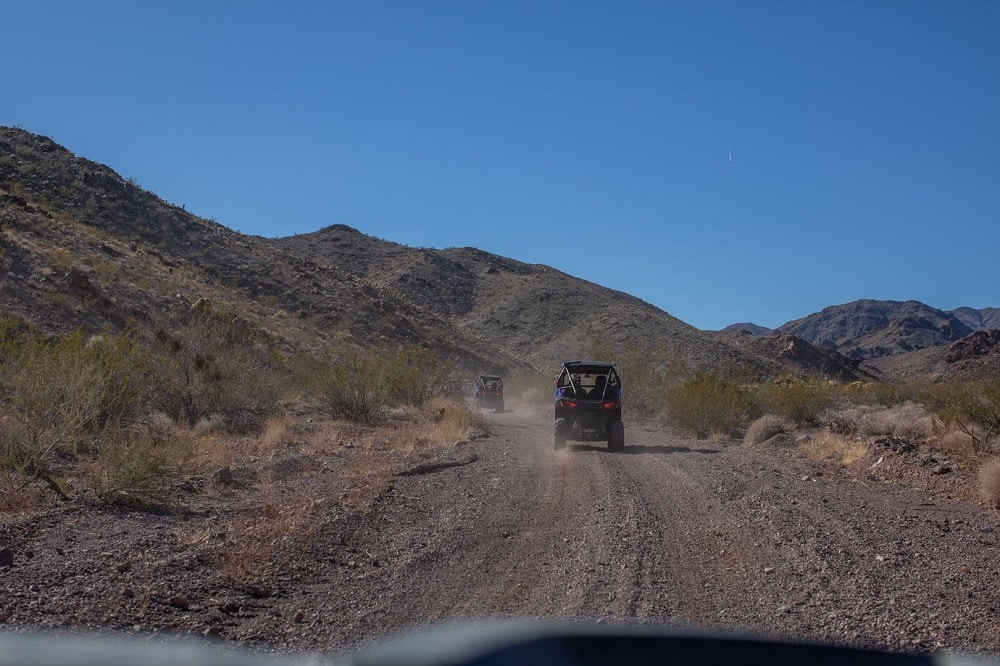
672	531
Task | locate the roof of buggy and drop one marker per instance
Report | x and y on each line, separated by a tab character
592	364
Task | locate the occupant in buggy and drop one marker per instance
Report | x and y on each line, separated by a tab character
598	391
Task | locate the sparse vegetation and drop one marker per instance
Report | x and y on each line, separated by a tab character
766	427
829	446
800	400
989	481
704	403
973	407
212	362
908	420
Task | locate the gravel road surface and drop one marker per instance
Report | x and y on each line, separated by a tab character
672	531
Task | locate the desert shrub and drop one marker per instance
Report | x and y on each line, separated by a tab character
135	468
214	363
417	374
55	397
354	384
69	403
125	369
989	481
360	384
908	421
705	403
802	401
972	406
833	447
886	394
766	427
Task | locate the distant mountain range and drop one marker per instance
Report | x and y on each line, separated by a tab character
84	248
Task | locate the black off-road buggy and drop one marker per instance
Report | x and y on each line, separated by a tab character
489	392
589	404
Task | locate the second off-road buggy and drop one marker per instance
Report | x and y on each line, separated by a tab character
489	392
589	404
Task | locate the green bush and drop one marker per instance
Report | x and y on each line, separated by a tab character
971	406
801	401
705	403
416	375
56	397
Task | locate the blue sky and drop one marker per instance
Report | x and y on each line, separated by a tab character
594	137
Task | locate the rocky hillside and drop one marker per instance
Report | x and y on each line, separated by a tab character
748	327
529	310
798	355
979	320
83	247
868	329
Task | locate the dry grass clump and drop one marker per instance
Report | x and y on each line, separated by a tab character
260	543
989	481
908	421
832	447
442	423
765	428
138	469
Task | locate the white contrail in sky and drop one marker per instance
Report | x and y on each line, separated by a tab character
730	154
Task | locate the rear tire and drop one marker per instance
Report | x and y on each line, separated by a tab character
616	436
499	407
560	434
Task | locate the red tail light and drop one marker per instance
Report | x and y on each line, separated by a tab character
571	404
611	404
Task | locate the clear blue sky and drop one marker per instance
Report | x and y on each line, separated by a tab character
594	137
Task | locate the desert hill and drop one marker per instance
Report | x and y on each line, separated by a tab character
799	355
85	248
868	329
983	319
530	310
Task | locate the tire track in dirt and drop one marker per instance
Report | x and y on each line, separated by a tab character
675	531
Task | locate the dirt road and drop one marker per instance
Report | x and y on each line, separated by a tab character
672	531
681	532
